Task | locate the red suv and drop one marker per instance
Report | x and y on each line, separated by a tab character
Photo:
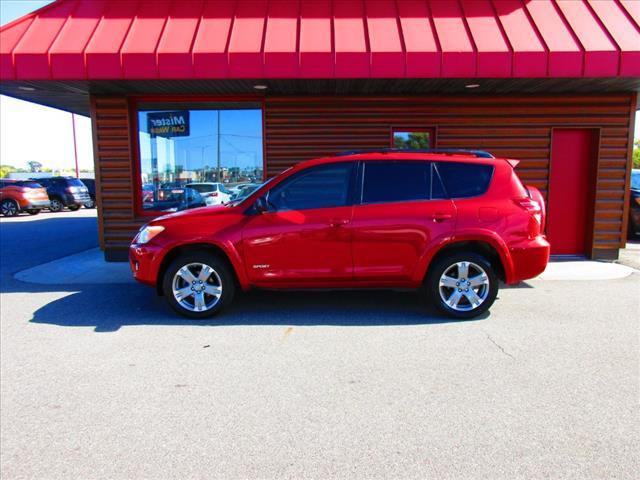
453	222
22	196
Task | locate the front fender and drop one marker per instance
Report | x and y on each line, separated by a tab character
227	247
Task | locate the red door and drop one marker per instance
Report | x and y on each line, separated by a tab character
571	185
305	237
398	218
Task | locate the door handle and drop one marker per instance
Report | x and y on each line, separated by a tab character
338	222
440	217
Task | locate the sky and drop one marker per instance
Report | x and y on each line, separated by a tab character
32	132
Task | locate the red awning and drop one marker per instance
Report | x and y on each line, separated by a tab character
179	39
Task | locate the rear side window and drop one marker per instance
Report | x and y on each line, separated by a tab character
464	180
202	188
399	181
74	182
28	184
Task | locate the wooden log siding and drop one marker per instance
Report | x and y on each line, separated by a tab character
117	222
517	127
301	128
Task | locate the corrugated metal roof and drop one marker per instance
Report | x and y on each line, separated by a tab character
182	39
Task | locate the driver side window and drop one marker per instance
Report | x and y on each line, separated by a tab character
323	186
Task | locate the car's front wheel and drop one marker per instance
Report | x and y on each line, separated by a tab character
9	208
462	285
198	284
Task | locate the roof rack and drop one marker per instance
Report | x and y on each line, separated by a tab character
443	151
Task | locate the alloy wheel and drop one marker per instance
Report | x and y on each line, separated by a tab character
197	287
464	286
9	208
56	205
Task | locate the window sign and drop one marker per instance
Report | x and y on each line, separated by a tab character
168	124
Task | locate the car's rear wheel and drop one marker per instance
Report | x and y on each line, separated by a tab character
90	204
462	285
33	211
73	208
198	284
56	205
9	208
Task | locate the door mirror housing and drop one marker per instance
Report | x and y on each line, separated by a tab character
261	205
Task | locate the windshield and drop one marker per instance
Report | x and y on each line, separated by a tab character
635	179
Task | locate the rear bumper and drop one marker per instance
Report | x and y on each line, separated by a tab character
35	204
529	259
78	199
634	220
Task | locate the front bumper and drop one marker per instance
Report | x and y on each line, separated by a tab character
529	259
144	261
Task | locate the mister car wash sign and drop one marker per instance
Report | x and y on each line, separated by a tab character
168	124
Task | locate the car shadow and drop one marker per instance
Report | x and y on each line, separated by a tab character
109	309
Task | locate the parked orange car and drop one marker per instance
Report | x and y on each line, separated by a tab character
22	196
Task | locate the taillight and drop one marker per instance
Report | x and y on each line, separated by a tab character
535	210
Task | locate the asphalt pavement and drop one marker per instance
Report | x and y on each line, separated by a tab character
103	381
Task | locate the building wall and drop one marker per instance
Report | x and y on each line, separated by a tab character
297	129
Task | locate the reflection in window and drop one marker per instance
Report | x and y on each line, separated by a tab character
413	140
188	152
318	187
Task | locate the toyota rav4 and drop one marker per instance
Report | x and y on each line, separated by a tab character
452	223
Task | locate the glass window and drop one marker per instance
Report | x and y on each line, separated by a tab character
407	139
75	182
437	189
318	187
186	143
465	179
398	181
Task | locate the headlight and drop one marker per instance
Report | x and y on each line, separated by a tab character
147	233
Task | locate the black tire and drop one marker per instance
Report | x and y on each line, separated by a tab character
222	276
448	262
56	205
33	211
74	208
90	204
9	208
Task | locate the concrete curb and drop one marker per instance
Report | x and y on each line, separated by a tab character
585	270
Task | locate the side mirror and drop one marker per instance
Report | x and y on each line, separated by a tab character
261	205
